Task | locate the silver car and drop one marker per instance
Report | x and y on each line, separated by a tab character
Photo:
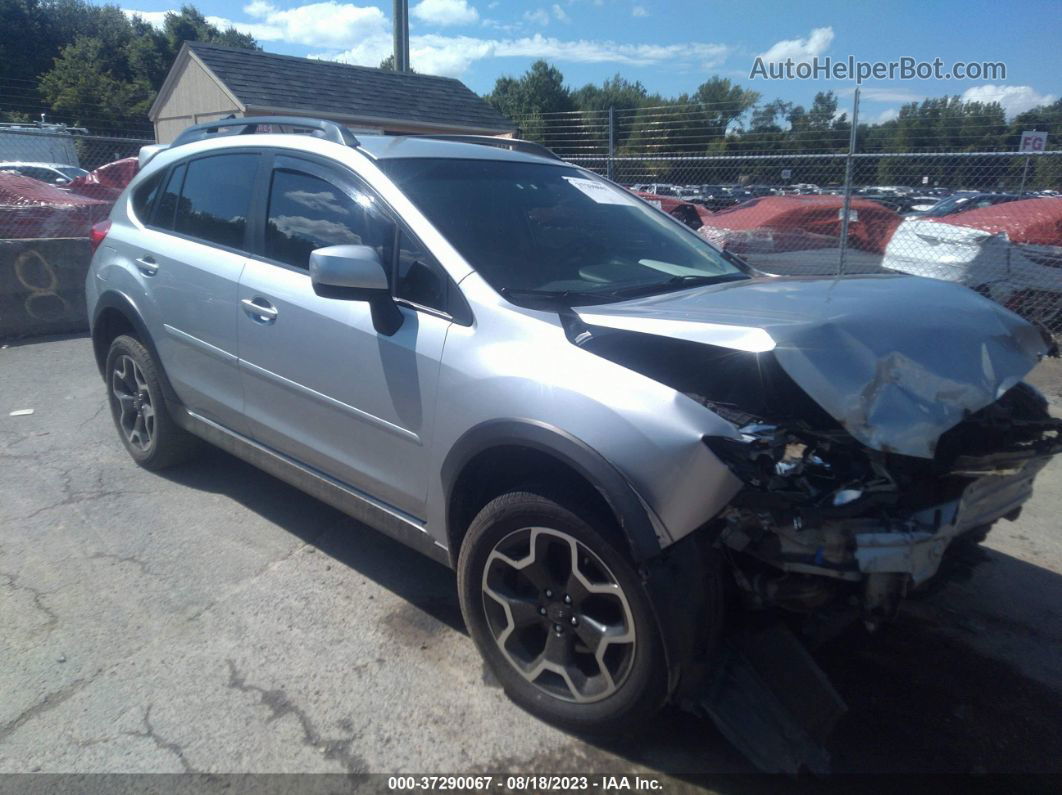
630	446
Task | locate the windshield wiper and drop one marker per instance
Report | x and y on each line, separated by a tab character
554	295
677	282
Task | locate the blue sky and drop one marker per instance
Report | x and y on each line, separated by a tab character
671	46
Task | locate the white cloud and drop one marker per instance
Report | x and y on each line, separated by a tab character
539	16
362	35
872	94
452	55
560	14
153	18
1014	99
639	11
318	24
886	115
445	12
800	50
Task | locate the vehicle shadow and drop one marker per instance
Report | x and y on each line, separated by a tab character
921	699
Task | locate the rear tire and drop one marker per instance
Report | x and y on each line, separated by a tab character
139	408
577	646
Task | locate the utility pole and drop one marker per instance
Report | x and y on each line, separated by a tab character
401	25
847	208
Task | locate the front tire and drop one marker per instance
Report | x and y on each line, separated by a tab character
560	615
139	408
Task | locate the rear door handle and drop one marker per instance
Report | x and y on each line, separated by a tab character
147	265
259	310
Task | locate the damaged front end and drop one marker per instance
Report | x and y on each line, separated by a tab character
876	420
822	516
874	424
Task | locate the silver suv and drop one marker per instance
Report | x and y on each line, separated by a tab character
631	446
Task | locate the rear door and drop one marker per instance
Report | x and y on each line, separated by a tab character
321	384
191	256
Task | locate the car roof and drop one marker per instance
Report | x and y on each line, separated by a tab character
387	147
36	163
384	147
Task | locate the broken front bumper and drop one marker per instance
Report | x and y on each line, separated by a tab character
853	548
918	552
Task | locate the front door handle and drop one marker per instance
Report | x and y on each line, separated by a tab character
147	265
259	310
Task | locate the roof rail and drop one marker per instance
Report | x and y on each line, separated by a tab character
512	144
321	128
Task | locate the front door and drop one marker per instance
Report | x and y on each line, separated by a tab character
321	384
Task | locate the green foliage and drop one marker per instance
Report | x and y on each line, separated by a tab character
541	89
388	65
93	65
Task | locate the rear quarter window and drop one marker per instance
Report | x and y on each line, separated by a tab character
144	196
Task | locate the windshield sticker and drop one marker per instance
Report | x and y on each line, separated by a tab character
600	192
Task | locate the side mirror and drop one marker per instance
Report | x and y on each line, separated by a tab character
61	181
356	269
355	273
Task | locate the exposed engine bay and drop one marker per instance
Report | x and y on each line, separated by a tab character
823	516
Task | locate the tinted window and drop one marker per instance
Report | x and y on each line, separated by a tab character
420	278
306	212
144	197
216	199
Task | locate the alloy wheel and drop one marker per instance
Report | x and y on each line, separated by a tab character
136	409
558	614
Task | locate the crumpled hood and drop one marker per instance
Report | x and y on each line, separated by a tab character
897	360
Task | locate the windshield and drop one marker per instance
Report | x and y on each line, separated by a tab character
71	171
543	231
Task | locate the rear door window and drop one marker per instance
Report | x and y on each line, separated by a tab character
216	199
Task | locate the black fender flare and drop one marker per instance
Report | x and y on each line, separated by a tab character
117	301
628	508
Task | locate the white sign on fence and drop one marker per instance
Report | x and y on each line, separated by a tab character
1033	141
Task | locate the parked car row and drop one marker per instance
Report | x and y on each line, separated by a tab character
32	207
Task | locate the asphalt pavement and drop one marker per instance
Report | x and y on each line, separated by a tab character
211	618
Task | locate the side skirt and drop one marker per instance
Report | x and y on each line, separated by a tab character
355	504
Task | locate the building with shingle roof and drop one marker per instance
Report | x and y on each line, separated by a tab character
211	81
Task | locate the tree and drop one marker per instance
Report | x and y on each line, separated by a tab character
615	92
722	103
388	64
540	89
110	71
189	24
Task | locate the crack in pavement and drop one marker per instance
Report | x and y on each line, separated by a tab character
99	408
340	750
122	559
46	704
166	745
74	496
14	584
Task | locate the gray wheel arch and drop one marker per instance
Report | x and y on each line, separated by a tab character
628	508
111	304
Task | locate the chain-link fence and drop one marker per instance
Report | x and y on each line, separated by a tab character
55	183
983	215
